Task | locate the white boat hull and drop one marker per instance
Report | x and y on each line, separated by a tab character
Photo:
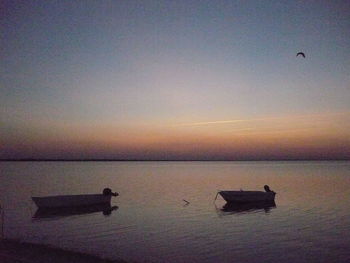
247	196
71	200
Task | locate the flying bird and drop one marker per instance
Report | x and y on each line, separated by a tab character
301	54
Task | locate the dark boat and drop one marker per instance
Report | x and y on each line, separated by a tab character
74	200
236	208
47	213
248	196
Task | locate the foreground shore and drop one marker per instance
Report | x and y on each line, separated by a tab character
12	251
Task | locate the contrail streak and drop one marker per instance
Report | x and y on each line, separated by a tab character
211	122
312	116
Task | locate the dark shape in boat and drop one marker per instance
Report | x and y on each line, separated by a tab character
59	212
301	54
237	208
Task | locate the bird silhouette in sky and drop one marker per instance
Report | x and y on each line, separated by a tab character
301	54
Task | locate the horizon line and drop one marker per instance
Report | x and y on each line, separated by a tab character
166	160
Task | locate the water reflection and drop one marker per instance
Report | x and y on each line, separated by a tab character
52	213
237	208
313	218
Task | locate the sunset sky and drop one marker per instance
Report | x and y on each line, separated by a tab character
175	80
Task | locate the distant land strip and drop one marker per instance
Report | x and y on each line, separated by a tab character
172	160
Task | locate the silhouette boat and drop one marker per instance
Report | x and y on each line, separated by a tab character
74	200
248	196
237	208
59	212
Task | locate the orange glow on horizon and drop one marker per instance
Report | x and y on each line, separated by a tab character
293	135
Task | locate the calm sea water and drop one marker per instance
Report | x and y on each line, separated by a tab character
151	222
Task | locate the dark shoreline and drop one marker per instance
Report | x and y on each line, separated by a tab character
15	251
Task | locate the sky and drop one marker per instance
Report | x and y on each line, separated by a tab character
175	80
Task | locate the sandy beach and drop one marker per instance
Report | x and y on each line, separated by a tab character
13	251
